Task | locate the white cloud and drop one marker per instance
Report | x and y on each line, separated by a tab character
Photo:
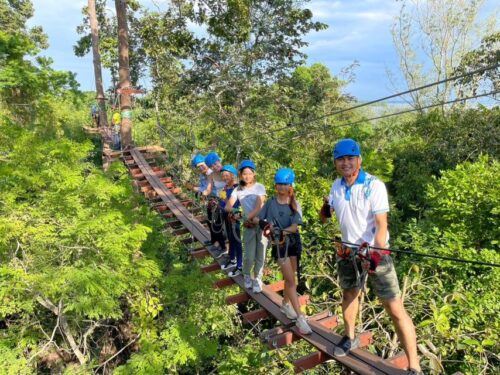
323	9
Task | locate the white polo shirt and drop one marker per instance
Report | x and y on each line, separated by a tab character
357	205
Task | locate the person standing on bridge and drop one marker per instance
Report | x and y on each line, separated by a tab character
116	122
280	219
360	202
214	212
232	222
198	162
251	196
94	112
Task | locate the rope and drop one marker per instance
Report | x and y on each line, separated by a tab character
386	98
408	252
325	128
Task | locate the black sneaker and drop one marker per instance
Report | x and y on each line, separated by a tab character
229	264
345	346
234	272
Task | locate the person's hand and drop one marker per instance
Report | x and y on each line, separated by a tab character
235	214
248	224
375	259
325	211
370	259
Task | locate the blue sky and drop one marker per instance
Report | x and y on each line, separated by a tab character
359	30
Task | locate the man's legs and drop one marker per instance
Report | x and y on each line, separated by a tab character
350	306
404	329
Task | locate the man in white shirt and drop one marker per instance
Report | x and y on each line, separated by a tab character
360	203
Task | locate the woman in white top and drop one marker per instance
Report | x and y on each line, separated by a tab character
252	196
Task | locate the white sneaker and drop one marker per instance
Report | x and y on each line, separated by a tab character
288	310
257	286
303	326
248	282
234	272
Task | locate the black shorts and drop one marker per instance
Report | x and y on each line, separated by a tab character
294	247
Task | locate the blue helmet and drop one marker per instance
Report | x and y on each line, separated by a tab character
230	168
246	164
211	158
346	147
284	176
197	159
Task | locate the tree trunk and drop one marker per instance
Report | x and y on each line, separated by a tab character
65	329
103	119
125	101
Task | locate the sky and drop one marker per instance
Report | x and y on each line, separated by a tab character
358	31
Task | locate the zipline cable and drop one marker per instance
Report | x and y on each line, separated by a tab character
326	128
340	111
458	260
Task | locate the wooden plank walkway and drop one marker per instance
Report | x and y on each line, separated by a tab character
322	338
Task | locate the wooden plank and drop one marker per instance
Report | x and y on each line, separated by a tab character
174	223
189	241
399	360
210	268
268	333
223	283
180	231
200	253
325	340
358	360
330	322
237	298
282	339
255	315
321	315
277	286
309	361
182	214
304	300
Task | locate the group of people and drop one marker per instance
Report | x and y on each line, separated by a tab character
360	203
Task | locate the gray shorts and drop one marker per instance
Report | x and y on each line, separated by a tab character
384	281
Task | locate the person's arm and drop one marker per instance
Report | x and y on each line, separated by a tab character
208	190
252	216
291	229
381	230
230	203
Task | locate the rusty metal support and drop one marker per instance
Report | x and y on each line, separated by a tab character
223	283
211	267
309	361
237	298
255	315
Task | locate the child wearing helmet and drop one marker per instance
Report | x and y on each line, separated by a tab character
280	219
214	212
251	196
198	162
231	221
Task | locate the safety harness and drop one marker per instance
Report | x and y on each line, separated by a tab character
216	220
368	258
234	217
